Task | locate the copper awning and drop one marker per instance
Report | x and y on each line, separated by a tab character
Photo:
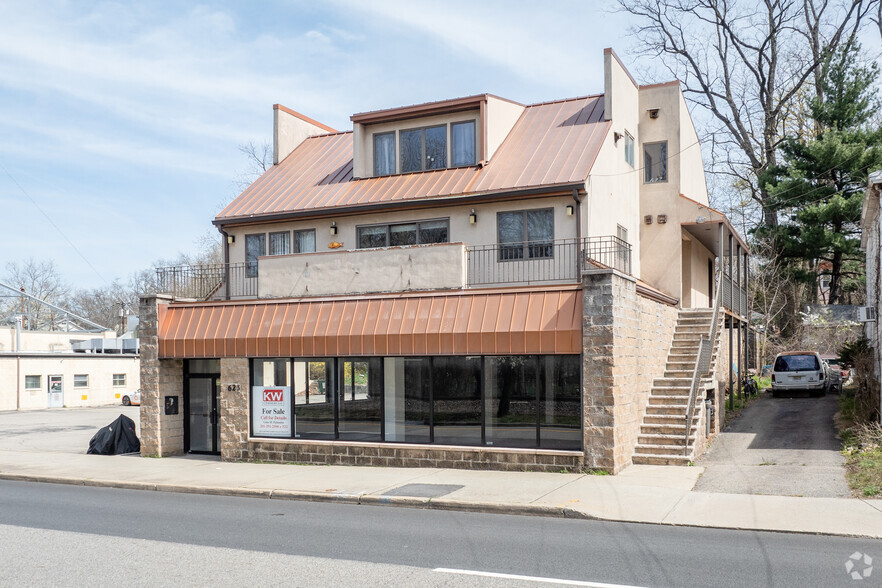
486	322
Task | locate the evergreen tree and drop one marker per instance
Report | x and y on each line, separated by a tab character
818	192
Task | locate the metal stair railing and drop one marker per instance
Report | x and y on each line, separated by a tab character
702	361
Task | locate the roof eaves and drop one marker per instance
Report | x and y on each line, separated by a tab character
425	202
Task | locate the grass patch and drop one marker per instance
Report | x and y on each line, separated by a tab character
763	383
596	472
862	446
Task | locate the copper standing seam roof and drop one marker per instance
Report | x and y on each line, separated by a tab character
488	322
552	144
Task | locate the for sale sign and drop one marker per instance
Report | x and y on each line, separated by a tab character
271	411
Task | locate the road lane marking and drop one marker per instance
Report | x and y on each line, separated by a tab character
531	578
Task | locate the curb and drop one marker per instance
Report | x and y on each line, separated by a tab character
304	496
397	501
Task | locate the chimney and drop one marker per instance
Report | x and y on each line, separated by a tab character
290	129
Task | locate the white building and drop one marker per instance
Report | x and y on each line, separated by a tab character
40	369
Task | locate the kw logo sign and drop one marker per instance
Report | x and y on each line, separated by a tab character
273	395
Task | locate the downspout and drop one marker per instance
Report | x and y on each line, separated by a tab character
578	202
226	240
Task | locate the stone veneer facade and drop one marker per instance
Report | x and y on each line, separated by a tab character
626	338
161	434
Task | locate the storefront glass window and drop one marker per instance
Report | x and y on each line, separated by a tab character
560	406
510	401
360	399
456	394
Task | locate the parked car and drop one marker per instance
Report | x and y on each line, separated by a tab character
800	370
132	399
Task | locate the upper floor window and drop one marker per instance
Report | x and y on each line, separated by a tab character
384	154
425	148
655	162
629	149
463	134
255	246
280	243
526	234
422	232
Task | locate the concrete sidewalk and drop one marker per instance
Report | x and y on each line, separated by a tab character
646	494
48	446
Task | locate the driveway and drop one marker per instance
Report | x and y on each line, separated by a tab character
781	446
58	430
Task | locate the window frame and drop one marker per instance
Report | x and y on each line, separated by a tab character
39	385
79	384
474	124
269	242
423	156
647	169
296	241
374	137
115	379
251	266
448	148
525	247
629	149
388	226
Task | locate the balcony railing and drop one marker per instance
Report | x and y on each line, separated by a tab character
734	296
560	260
545	261
208	281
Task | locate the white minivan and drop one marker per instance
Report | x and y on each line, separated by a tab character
799	370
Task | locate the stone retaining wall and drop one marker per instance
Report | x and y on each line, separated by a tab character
626	338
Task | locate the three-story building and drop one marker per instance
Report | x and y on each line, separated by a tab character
472	282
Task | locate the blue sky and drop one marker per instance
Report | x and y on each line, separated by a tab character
122	121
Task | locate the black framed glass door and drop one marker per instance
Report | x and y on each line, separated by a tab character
202	418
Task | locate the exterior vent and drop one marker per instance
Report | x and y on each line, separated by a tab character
866	314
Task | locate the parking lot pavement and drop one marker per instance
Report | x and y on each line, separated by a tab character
782	446
61	430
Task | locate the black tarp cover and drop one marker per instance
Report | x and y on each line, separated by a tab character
117	437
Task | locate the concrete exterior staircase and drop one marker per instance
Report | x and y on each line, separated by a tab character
662	434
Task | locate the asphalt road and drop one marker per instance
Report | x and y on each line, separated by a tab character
74	535
783	446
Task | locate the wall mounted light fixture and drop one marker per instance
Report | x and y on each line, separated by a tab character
473	217
231	239
653	112
333	228
662	219
570	210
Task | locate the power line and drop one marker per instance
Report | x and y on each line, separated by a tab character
51	222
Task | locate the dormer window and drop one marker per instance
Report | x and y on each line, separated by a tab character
425	148
463	143
384	154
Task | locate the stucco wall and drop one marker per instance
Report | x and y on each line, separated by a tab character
425	267
289	132
98	367
484	232
613	188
